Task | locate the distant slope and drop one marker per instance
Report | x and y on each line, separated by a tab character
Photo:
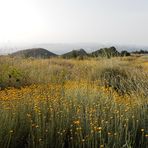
34	52
140	52
75	54
106	52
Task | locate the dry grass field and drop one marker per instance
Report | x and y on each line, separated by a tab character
59	103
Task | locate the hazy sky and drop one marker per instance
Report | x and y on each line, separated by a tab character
69	21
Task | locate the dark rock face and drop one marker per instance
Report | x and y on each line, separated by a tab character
35	53
106	52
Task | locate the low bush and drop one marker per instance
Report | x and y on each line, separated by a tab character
13	77
123	81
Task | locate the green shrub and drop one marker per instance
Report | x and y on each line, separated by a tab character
13	77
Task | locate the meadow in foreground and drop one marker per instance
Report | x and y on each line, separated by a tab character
88	103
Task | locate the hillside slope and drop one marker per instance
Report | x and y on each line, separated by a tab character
106	52
34	52
75	54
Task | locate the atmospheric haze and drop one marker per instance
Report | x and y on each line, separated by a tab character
73	21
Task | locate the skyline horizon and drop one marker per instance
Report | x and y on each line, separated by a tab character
61	48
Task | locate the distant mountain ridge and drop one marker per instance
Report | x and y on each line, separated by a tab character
80	53
61	48
34	52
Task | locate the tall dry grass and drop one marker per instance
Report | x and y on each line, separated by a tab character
74	103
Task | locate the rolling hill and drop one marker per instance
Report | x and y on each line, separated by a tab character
75	54
34	52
